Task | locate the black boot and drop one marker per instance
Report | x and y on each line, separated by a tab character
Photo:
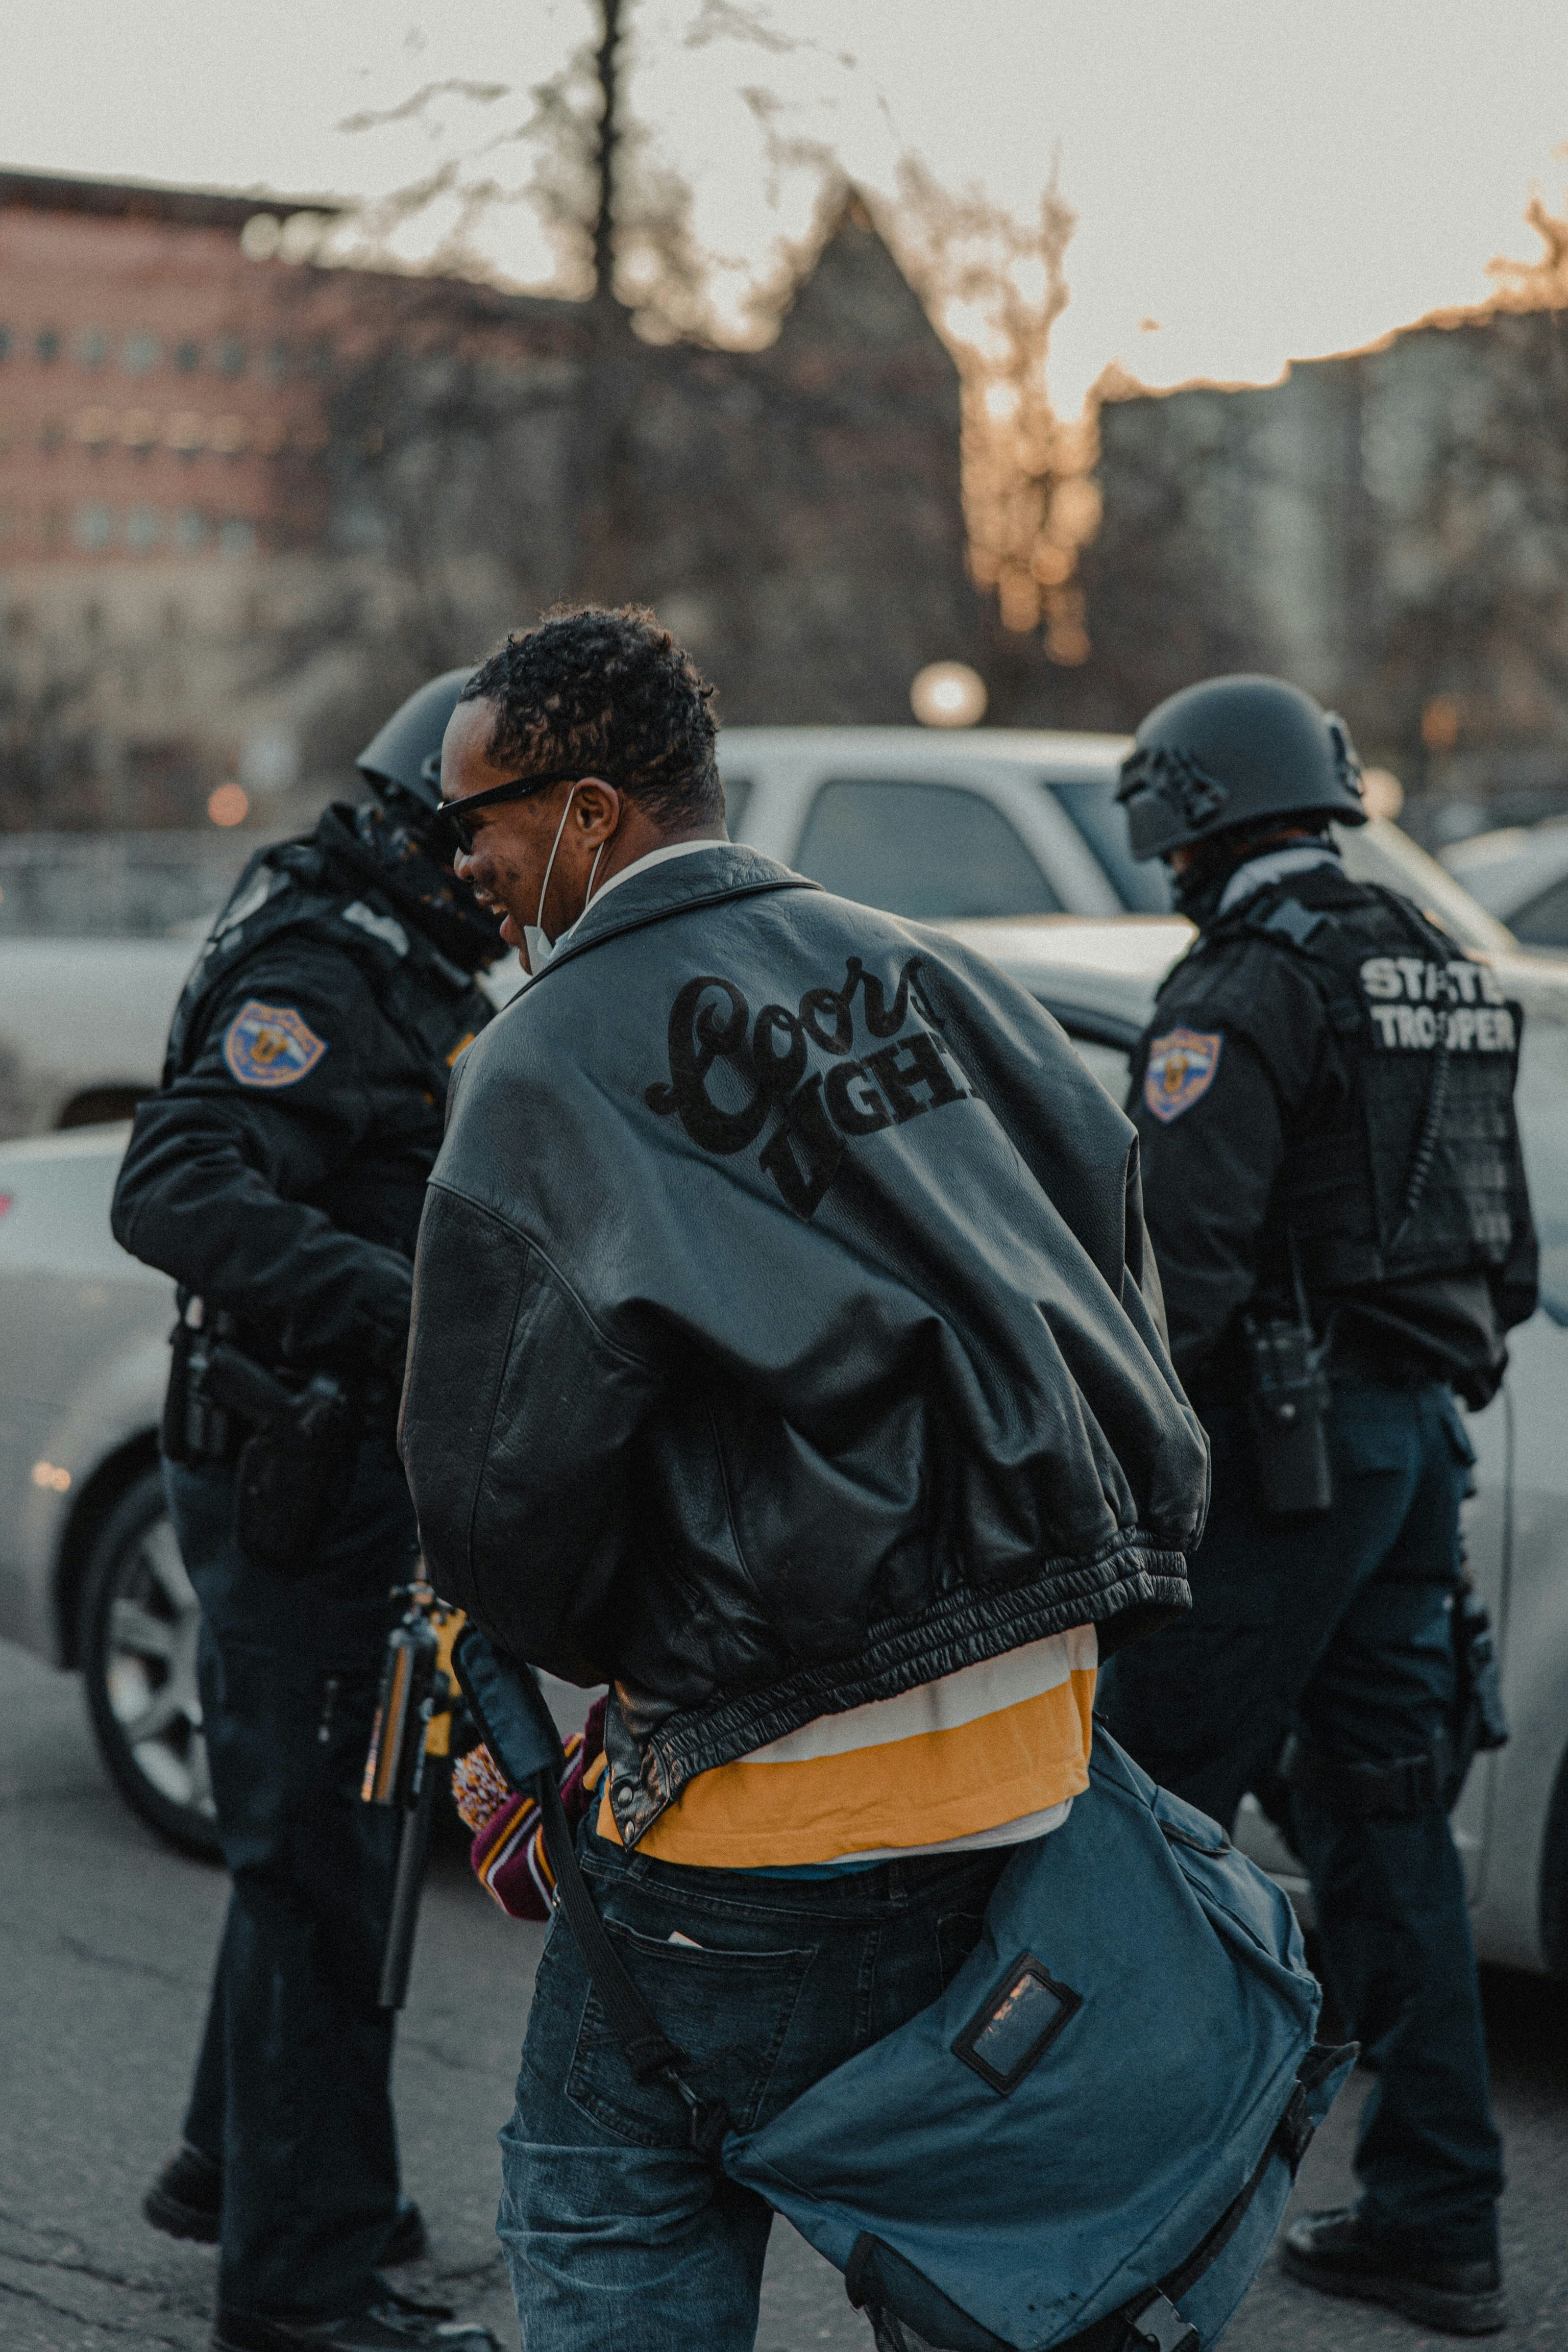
393	2324
1333	2253
186	2198
186	2202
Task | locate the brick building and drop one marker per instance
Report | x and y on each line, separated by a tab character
245	502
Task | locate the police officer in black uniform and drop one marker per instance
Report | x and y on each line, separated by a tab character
1337	1202
278	1176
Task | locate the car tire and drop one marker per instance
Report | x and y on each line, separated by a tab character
137	1649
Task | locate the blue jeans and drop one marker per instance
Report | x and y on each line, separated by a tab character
618	2238
1340	1629
291	2093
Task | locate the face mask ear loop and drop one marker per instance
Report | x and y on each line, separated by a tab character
592	871
544	886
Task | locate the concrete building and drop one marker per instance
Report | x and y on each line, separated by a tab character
1388	528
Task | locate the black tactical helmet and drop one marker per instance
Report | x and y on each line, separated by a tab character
1232	751
406	753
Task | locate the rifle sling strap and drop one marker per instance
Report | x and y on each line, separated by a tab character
650	2054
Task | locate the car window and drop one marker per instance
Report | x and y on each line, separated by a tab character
1142	886
1541	1102
737	793
921	850
1542	921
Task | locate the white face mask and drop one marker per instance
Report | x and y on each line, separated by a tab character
540	947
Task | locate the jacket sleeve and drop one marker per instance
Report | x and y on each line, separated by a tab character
1208	1174
1213	1147
519	1425
215	1187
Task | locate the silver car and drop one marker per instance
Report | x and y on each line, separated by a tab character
999	821
91	1576
1520	874
1005	828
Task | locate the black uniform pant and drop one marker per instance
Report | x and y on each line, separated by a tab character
1340	1630
291	2095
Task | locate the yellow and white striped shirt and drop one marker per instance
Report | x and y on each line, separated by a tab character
986	1756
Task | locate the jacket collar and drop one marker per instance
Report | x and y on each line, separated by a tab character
674	887
1259	872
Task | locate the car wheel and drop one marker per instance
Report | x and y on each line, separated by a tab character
139	1625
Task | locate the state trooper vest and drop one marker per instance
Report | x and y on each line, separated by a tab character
432	1002
1421	1176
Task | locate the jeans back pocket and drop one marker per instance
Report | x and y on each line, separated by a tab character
728	2010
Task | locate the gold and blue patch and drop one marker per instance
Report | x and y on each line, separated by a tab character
1182	1066
270	1046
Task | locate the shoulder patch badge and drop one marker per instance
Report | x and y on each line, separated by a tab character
1181	1067
270	1046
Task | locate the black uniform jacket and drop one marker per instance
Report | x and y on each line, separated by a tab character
783	1332
1279	1088
281	1170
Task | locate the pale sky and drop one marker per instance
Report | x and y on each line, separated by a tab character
1266	179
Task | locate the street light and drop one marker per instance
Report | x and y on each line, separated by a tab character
948	694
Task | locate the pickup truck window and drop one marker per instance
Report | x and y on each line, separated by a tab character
921	850
1143	888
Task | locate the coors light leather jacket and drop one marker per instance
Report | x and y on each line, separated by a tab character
785	1334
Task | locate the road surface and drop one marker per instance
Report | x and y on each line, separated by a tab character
106	1940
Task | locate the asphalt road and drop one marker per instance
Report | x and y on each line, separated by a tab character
106	1939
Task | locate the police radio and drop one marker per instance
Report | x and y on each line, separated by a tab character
1287	1398
1287	1408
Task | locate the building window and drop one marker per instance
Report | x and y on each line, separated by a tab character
139	430
237	537
4	343
7	434
229	356
140	354
185	432
94	426
51	433
319	359
190	531
188	358
142	530
276	365
231	435
47	346
94	526
91	347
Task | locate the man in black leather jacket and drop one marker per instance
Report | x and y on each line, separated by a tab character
786	1351
278	1176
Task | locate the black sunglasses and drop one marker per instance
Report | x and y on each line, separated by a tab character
454	813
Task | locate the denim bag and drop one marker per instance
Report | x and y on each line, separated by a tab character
1086	2144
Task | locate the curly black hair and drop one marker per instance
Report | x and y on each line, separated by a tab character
613	691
